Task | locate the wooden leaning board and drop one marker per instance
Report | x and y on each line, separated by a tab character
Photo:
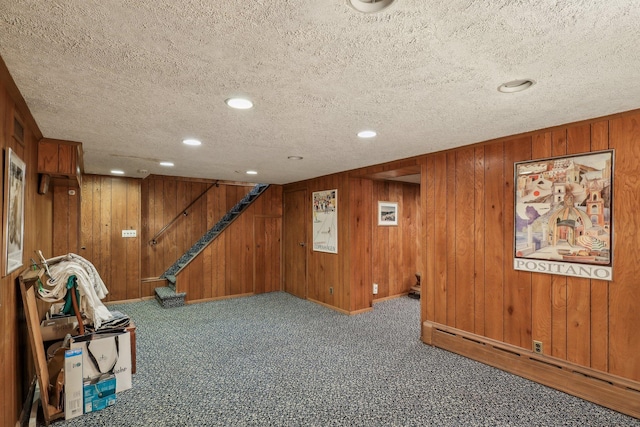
28	279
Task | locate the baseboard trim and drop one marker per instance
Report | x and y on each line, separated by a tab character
340	310
611	391
197	301
390	297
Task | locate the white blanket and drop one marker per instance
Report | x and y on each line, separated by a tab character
92	288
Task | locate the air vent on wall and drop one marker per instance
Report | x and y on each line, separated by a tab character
370	6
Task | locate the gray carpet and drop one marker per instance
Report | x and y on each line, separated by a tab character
276	360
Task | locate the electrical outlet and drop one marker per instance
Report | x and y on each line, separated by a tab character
129	233
537	347
375	288
331	290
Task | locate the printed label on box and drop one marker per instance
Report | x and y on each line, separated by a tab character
72	383
99	394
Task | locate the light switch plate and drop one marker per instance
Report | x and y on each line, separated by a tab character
129	233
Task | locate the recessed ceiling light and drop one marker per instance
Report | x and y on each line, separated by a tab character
193	142
516	86
370	6
239	103
252	173
117	172
295	157
168	164
367	134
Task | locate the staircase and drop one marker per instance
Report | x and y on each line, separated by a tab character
167	295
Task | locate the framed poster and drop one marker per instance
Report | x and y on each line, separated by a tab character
387	213
563	216
325	221
15	181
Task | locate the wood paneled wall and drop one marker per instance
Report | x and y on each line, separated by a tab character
367	253
465	225
245	258
470	282
16	370
66	220
108	206
165	198
328	272
396	249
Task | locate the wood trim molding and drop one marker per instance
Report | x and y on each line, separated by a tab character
340	310
604	389
197	301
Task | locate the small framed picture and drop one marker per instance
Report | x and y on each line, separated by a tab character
387	213
15	182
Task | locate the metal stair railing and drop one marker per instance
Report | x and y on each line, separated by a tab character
185	212
214	232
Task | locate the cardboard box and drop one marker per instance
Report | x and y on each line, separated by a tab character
57	328
73	393
99	394
106	353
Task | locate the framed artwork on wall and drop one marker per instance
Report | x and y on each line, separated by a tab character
325	221
15	182
563	215
387	213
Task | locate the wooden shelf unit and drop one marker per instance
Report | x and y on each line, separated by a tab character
62	160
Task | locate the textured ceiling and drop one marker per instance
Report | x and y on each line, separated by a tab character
131	78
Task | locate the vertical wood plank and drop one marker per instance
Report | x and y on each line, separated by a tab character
380	255
104	262
207	273
149	264
66	159
440	238
410	217
494	242
600	288
517	284
118	258
275	238
157	253
428	203
86	219
479	241
74	220
132	222
559	283
464	250
451	247
579	289
170	210
98	239
247	249
218	266
145	236
196	278
541	283
260	255
60	220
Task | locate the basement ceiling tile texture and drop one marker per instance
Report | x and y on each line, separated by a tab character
131	79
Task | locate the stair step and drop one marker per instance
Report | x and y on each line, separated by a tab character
168	298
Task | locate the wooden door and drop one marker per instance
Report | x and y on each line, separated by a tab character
267	270
295	243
